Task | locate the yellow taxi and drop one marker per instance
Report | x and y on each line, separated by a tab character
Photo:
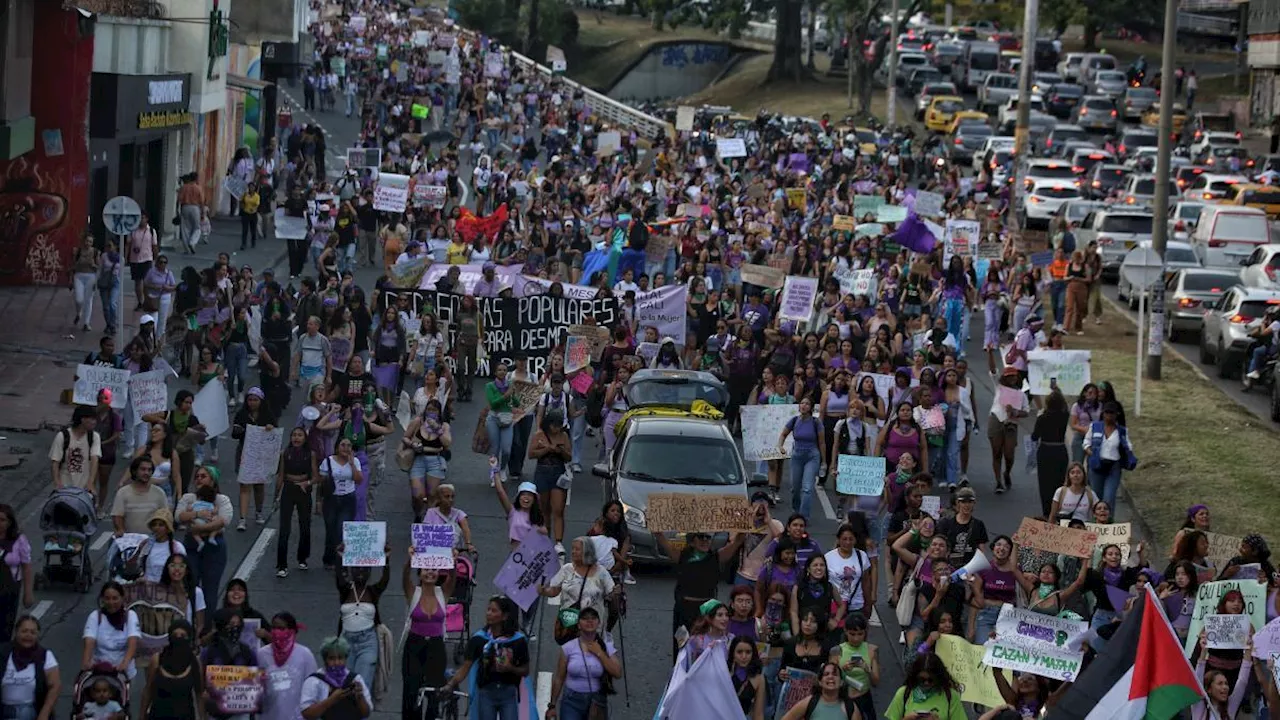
942	109
1151	118
1263	197
965	117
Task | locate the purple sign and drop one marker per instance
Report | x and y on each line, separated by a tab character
526	568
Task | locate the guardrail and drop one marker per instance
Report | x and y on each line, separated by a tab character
1206	24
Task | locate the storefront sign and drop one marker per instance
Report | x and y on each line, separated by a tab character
162	120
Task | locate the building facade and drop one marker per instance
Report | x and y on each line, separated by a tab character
1264	62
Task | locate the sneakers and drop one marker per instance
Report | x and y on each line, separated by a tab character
262	518
242	525
628	578
302	566
282	573
576	467
560	551
1255	375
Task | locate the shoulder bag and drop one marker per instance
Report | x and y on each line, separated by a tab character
906	608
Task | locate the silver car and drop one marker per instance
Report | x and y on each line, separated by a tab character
1224	338
1177	256
1096	112
1111	83
1187	293
1138	100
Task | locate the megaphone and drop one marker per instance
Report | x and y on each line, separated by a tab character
973	567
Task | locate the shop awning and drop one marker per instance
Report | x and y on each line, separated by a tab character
240	82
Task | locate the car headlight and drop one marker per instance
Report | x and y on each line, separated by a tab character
633	516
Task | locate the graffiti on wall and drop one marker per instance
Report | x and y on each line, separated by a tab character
680	56
33	207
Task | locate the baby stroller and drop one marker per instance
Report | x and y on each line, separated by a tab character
82	696
68	520
457	615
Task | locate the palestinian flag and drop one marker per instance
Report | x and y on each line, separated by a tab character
1141	674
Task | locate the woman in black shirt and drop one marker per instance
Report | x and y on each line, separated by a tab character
298	472
1050	434
697	576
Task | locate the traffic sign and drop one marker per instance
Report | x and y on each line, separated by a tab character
122	215
1142	267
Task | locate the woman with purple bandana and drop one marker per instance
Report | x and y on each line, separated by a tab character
992	290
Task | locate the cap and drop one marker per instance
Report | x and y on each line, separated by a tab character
255	391
759	496
966	493
488	266
709	606
268	273
146	320
527	487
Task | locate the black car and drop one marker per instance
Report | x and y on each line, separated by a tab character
1103	178
1063	98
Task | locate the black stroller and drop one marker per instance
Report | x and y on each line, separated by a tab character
68	520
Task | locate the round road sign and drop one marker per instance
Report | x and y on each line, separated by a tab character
1142	267
122	215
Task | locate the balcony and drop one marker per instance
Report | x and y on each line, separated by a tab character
148	9
131	44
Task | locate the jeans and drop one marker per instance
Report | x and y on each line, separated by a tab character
498	700
937	461
236	360
363	659
1259	357
1106	484
493	136
207	563
1101	618
85	285
523	430
577	430
986	624
576	705
351	104
293	497
337	510
500	439
1058	296
804	472
19	712
110	306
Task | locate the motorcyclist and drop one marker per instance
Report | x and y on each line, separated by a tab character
1268	328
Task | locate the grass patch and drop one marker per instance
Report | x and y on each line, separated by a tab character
745	90
1194	444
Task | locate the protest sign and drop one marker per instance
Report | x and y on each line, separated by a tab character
761	426
857	475
577	353
528	394
1110	534
730	148
529	566
249	634
684	118
975	680
260	460
421	38
408	273
763	276
433	546
864	205
358	23
960	238
391	194
797	689
1042	258
289	227
1267	640
359	157
598	335
1041	535
431	196
148	392
1210	593
156	606
1042	660
856	282
235	186
364	544
493	64
647	351
655	251
695	512
556	60
929	204
931	505
608	143
1222	548
210	405
874	230
90	379
235	689
844	223
796	198
891	214
1070	368
1016	626
798	294
1226	632
665	309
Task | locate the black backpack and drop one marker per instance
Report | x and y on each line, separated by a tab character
849	706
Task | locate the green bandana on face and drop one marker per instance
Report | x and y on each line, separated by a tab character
921	695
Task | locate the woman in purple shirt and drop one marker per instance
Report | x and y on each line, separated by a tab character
807	454
992	588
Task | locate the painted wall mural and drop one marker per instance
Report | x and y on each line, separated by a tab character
44	193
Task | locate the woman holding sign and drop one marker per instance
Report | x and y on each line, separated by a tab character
423	661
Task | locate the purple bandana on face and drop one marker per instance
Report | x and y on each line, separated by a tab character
336	675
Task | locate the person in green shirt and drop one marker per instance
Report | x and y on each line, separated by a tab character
928	693
859	663
500	423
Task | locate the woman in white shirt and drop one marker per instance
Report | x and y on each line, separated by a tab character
335	691
206	513
18	687
111	633
341	472
162	544
1074	500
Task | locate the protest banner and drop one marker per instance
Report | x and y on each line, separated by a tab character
364	544
235	186
796	198
148	392
577	353
931	505
684	118
891	214
843	223
430	196
1042	660
529	566
695	512
1267	640
156	606
960	238
1041	535
408	273
864	205
665	309
761	426
929	204
90	379
260	459
1226	632
391	194
763	276
873	230
235	689
975	680
1016	626
730	148
433	546
1222	548
1208	596
798	294
797	689
1069	368
1042	258
210	405
468	276
857	475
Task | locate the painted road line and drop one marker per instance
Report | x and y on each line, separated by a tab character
101	541
544	693
251	560
41	608
825	502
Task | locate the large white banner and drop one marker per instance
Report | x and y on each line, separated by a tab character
1069	368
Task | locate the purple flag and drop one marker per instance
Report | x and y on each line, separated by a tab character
528	566
914	235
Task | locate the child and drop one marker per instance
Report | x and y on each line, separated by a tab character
102	705
858	661
206	499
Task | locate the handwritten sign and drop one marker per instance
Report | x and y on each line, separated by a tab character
391	194
1117	534
260	460
864	205
929	204
1222	548
408	273
431	196
647	351
684	118
235	689
975	679
858	475
730	148
433	546
931	505
797	689
1226	632
527	567
527	394
763	276
210	405
761	426
577	353
1208	596
798	294
156	606
597	335
1055	663
1017	626
960	238
1267	640
235	186
148	392
1055	538
364	544
691	512
1070	368
844	223
90	379
891	214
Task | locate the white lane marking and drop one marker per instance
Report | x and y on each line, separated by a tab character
41	608
544	693
101	541
251	560
825	502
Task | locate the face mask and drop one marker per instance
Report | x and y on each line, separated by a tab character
336	674
230	632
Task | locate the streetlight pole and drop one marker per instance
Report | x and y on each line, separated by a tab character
1022	133
892	112
1160	223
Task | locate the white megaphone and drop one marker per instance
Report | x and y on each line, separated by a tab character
973	567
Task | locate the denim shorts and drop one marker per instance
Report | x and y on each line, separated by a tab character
428	465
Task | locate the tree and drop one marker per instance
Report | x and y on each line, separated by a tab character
787	63
866	31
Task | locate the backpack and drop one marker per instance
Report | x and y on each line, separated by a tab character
66	441
42	681
849	706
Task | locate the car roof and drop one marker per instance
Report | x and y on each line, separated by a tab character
668	425
1256	293
1069	126
1220	177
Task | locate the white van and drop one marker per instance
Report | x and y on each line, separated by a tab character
1093	62
1226	235
980	59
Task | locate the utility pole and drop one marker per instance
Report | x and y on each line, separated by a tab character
848	33
892	112
1022	134
1160	223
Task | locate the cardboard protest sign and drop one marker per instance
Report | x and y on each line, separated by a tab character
364	544
235	689
1208	596
763	276
156	606
1222	548
577	353
530	565
655	251
148	392
90	379
730	148
432	546
694	512
1069	368
1055	538
761	426
528	394
976	680
864	205
857	475
684	118
1110	534
597	335
1226	632
844	223
798	295
260	459
797	689
929	204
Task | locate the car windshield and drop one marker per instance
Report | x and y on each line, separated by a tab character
975	128
1111	176
939	89
678	392
1060	134
1240	226
1068	90
1002	81
1127	224
1216	123
1142	94
1190	212
1181	255
681	459
1228	151
1209	282
947	106
1098	104
1139	140
1147	186
1077	211
1110	77
1254	309
913	60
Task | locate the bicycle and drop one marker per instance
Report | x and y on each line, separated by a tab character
447	707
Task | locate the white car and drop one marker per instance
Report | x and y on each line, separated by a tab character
1069	66
989	147
1183	216
1046	197
1262	268
1217	139
1213	186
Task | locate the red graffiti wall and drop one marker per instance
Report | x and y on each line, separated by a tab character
44	193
